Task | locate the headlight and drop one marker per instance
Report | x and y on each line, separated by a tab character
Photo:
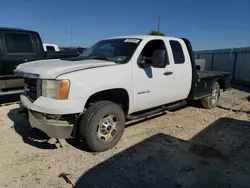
56	89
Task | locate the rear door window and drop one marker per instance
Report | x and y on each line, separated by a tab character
18	43
178	54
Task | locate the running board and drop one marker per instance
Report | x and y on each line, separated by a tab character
3	93
158	110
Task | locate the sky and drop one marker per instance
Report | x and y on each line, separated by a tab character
208	24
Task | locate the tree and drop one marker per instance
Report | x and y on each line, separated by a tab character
153	32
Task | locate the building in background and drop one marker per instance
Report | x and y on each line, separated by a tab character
236	61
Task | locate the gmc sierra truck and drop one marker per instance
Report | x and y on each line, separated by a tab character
90	97
19	46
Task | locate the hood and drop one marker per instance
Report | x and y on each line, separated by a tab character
52	68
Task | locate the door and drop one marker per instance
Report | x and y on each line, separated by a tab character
179	58
153	86
18	47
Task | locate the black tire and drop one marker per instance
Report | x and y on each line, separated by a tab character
87	131
207	102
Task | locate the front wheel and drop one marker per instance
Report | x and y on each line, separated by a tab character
212	100
101	126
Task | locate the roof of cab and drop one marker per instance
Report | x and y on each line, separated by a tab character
14	29
141	37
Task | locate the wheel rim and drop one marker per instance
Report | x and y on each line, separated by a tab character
214	96
107	128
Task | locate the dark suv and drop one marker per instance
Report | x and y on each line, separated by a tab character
19	46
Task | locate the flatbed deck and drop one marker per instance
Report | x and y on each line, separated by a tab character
210	74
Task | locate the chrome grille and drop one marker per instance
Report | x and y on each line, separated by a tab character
32	88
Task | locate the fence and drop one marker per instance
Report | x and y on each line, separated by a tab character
236	61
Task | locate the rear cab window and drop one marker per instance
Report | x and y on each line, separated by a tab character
50	49
18	42
178	55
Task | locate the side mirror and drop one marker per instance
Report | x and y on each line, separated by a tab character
159	58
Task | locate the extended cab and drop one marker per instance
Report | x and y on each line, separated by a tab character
19	46
90	97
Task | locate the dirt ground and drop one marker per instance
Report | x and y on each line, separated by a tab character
191	147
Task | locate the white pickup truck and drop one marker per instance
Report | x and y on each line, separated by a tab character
50	47
90	97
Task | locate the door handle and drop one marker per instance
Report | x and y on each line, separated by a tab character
168	73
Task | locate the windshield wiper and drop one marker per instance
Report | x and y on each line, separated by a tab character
73	58
100	58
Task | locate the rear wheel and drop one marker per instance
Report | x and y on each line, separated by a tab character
101	126
212	100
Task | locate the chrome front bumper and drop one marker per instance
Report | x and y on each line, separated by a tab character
53	128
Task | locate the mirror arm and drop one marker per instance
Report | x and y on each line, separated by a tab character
141	62
143	65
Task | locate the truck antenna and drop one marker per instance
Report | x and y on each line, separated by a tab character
71	30
232	44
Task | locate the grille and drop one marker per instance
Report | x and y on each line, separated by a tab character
32	88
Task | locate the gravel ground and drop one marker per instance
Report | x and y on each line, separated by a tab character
191	147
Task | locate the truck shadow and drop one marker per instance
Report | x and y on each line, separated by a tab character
31	136
248	98
218	156
9	98
241	87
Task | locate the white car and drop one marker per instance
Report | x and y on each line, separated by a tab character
50	47
90	97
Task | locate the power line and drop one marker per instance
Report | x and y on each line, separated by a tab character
188	5
184	8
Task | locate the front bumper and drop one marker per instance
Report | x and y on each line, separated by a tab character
53	106
53	128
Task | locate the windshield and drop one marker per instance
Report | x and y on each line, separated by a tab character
116	50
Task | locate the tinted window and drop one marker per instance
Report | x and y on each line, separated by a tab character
50	48
18	43
177	52
107	49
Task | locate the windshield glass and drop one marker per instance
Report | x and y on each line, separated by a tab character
116	50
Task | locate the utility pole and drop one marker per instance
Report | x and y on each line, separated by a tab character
159	22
